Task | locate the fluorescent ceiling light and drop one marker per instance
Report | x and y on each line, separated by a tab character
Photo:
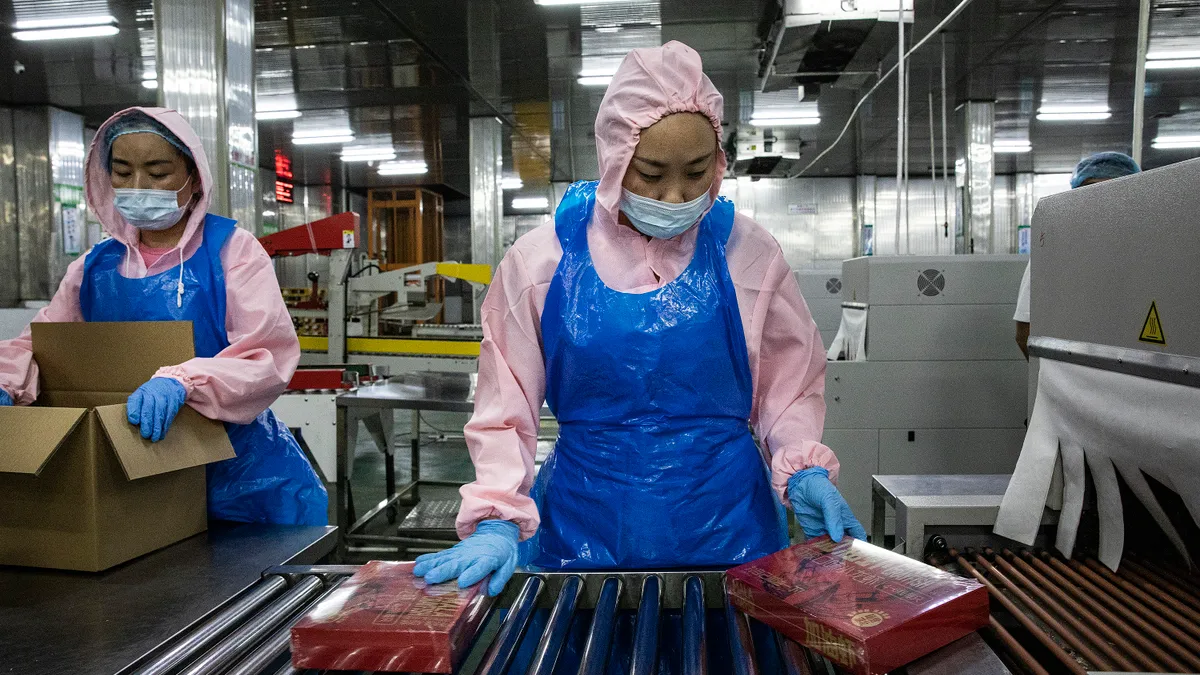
1071	117
403	168
530	203
595	80
511	183
1175	142
785	121
65	22
66	33
1176	54
1166	64
150	83
323	140
367	154
149	75
1010	146
553	3
276	114
1069	113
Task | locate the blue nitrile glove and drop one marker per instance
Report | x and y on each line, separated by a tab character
491	550
154	406
5	399
819	506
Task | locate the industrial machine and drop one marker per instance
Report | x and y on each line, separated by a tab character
822	291
376	312
942	387
1113	446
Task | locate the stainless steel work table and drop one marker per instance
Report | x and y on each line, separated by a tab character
446	392
54	622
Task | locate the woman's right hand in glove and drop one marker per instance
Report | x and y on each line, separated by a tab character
492	549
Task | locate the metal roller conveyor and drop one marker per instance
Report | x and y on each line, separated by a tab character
695	646
645	644
543	623
595	651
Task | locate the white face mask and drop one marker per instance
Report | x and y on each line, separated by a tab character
660	219
152	210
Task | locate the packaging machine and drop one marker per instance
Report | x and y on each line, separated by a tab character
940	386
375	313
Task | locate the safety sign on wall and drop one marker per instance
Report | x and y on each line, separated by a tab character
1152	330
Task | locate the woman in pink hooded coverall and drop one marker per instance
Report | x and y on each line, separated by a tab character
660	326
149	184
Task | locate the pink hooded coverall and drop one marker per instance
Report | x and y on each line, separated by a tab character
786	355
241	381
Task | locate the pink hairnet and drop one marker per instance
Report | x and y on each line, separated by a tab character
650	84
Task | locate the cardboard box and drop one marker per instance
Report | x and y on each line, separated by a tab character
79	487
385	619
865	608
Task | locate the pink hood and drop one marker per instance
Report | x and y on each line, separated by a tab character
650	84
100	194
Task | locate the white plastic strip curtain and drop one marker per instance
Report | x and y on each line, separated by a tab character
1112	424
851	340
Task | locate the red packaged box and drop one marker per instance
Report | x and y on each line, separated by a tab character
385	619
865	608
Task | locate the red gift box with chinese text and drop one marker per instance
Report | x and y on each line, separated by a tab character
385	619
865	608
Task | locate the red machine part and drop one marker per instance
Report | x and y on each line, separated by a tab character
321	236
318	378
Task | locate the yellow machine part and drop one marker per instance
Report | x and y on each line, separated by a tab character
366	345
480	274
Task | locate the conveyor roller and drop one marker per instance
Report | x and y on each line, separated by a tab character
544	624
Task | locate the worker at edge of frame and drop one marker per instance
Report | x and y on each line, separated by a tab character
149	184
660	326
1092	169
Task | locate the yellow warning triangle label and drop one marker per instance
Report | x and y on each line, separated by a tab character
1152	330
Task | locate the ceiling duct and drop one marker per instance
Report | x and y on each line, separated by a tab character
811	42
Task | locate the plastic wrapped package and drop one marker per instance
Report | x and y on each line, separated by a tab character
385	619
865	608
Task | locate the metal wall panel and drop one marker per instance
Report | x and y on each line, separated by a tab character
811	218
192	52
10	268
1004	198
68	236
926	232
32	161
487	201
242	135
976	162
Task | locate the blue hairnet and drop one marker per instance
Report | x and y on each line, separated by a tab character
1103	165
137	123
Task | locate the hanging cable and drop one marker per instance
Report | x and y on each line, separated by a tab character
858	106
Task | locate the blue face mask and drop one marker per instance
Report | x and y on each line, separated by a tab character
660	219
152	210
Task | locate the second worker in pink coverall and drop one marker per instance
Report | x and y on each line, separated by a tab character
660	326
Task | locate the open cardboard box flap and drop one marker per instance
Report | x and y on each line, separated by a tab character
31	436
192	441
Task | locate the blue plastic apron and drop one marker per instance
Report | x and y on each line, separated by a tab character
654	465
270	480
